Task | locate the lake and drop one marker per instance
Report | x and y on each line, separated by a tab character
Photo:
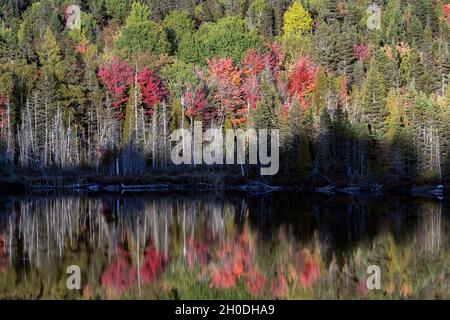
223	245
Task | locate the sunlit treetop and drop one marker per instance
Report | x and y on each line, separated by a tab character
297	20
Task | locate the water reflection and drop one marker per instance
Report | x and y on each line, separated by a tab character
222	246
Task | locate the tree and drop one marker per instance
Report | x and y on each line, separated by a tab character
446	9
178	24
253	65
153	91
117	9
141	34
225	80
117	76
373	100
297	20
302	80
228	37
261	17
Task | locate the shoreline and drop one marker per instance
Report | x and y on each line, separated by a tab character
116	184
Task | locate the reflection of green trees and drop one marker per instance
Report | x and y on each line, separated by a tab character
415	266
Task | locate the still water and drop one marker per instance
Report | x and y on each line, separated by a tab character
214	246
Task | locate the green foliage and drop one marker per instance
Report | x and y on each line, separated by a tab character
140	34
228	37
178	24
117	9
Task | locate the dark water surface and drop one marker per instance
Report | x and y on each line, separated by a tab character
208	245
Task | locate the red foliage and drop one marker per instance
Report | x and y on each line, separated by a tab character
303	79
154	264
3	247
81	47
253	63
117	77
4	263
447	12
225	77
152	89
255	283
275	58
363	291
119	275
198	253
235	263
251	90
362	52
343	92
310	273
279	286
223	279
195	101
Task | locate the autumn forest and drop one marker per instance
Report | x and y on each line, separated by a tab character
359	95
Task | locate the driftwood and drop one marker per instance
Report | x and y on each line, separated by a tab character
329	189
435	191
257	187
351	190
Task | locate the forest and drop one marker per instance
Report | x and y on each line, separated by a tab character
356	100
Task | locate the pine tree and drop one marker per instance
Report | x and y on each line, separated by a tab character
373	97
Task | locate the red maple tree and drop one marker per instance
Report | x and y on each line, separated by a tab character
302	80
253	65
447	12
275	59
362	52
195	100
117	77
225	78
152	89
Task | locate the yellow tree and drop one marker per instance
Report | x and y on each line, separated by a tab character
297	20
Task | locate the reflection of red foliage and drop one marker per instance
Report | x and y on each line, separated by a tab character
223	279
154	264
235	263
119	275
279	286
197	253
255	283
363	291
3	249
4	262
310	273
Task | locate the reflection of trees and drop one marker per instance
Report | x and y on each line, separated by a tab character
429	229
134	238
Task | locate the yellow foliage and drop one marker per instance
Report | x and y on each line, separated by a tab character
297	20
